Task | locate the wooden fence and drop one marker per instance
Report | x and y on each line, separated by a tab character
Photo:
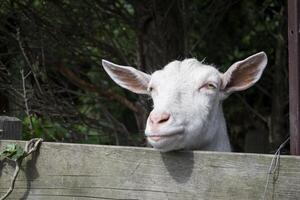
10	128
78	171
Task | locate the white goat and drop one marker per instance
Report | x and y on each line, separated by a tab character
187	97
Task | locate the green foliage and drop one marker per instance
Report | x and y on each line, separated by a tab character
43	128
12	151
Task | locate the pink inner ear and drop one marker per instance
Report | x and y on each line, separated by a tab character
129	79
243	75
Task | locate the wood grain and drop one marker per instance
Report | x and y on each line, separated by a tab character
74	171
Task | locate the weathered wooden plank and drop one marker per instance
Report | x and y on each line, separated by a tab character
73	171
10	128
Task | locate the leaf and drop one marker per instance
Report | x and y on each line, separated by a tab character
19	153
12	151
9	150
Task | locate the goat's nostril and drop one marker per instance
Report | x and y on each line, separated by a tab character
159	118
164	118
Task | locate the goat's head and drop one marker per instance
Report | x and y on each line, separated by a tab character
187	97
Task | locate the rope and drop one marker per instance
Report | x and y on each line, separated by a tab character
274	165
30	147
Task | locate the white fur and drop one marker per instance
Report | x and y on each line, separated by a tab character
181	89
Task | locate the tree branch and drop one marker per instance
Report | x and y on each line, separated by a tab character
71	76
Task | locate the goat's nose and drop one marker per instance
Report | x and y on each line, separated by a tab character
159	118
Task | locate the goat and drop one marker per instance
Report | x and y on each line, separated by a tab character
187	100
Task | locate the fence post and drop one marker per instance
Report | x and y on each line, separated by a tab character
10	128
294	73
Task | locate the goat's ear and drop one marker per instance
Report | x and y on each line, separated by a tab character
127	77
243	74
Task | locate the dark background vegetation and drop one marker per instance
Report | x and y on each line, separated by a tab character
51	75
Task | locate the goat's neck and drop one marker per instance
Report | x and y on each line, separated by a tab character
220	141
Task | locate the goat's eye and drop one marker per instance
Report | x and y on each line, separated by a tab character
210	86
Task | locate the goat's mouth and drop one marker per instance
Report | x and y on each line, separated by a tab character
157	138
160	135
